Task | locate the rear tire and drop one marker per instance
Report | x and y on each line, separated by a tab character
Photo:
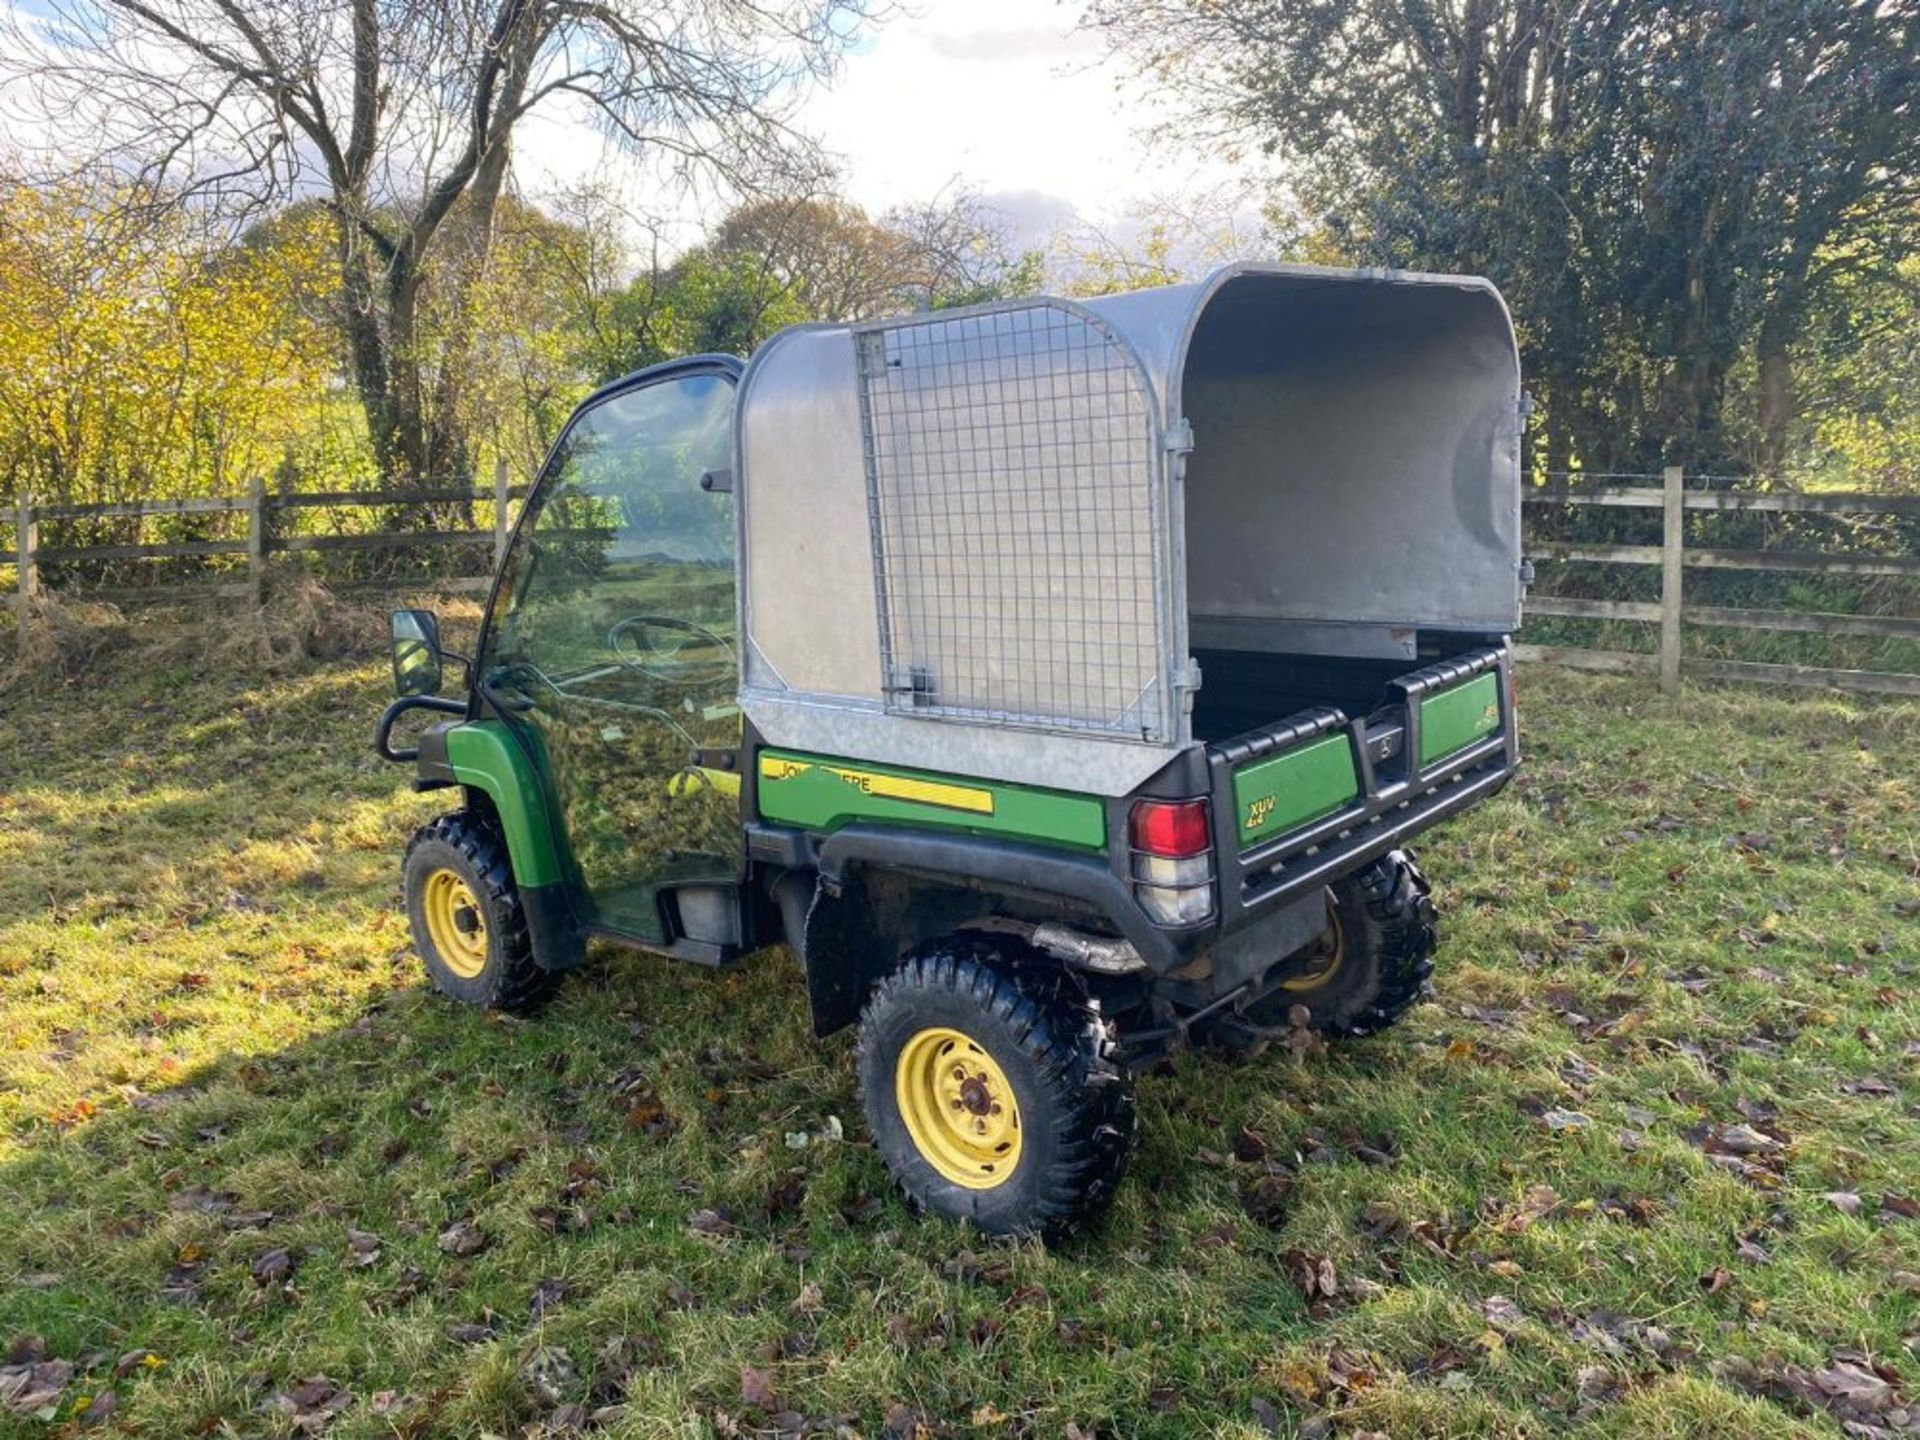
992	1090
465	912
1384	932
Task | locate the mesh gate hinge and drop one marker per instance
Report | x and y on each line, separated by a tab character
1187	676
1179	438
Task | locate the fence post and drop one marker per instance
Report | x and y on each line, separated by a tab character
500	497
26	543
1673	515
257	541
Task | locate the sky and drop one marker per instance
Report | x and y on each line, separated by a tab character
997	97
1001	99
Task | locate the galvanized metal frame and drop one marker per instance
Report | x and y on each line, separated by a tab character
904	528
782	690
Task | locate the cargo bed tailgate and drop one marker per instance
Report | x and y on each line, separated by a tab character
1321	792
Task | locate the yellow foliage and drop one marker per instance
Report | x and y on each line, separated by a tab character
144	360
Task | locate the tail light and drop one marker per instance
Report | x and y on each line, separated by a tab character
1173	860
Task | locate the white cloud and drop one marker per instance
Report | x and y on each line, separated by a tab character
1004	98
1001	97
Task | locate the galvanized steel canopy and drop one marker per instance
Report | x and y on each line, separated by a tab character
980	539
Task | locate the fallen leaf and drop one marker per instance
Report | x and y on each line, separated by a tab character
547	1295
312	1404
1500	1310
1265	1199
1314	1275
549	1372
463	1237
34	1388
136	1360
711	1222
200	1200
905	1423
1562	1120
1857	1386
99	1410
756	1387
1742	1140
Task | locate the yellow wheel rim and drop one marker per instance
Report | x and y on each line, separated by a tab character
1327	957
456	923
958	1107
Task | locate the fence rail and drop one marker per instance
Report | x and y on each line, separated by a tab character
259	507
1672	611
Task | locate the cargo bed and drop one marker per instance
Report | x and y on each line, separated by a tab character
1370	757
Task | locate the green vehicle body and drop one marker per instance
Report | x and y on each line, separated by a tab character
925	831
617	729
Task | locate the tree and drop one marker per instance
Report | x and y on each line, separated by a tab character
1162	241
402	117
777	262
1661	188
841	265
143	360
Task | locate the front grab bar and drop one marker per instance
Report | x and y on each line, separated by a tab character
383	732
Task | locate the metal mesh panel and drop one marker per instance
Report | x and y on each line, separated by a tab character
1010	470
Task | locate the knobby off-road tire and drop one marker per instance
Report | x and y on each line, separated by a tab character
982	1034
465	912
1385	931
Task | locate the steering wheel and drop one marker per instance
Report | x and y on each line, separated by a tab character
653	644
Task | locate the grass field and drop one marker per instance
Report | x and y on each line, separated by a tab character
1647	1164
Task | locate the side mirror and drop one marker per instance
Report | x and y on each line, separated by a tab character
416	652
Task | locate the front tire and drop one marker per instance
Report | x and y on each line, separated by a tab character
992	1091
465	912
1375	964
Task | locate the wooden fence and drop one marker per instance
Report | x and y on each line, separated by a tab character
260	540
1670	613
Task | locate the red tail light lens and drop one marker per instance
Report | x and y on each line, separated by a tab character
1171	828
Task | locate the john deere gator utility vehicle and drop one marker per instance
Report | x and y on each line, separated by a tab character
1060	681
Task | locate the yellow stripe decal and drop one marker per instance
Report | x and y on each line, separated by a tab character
970	798
920	792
